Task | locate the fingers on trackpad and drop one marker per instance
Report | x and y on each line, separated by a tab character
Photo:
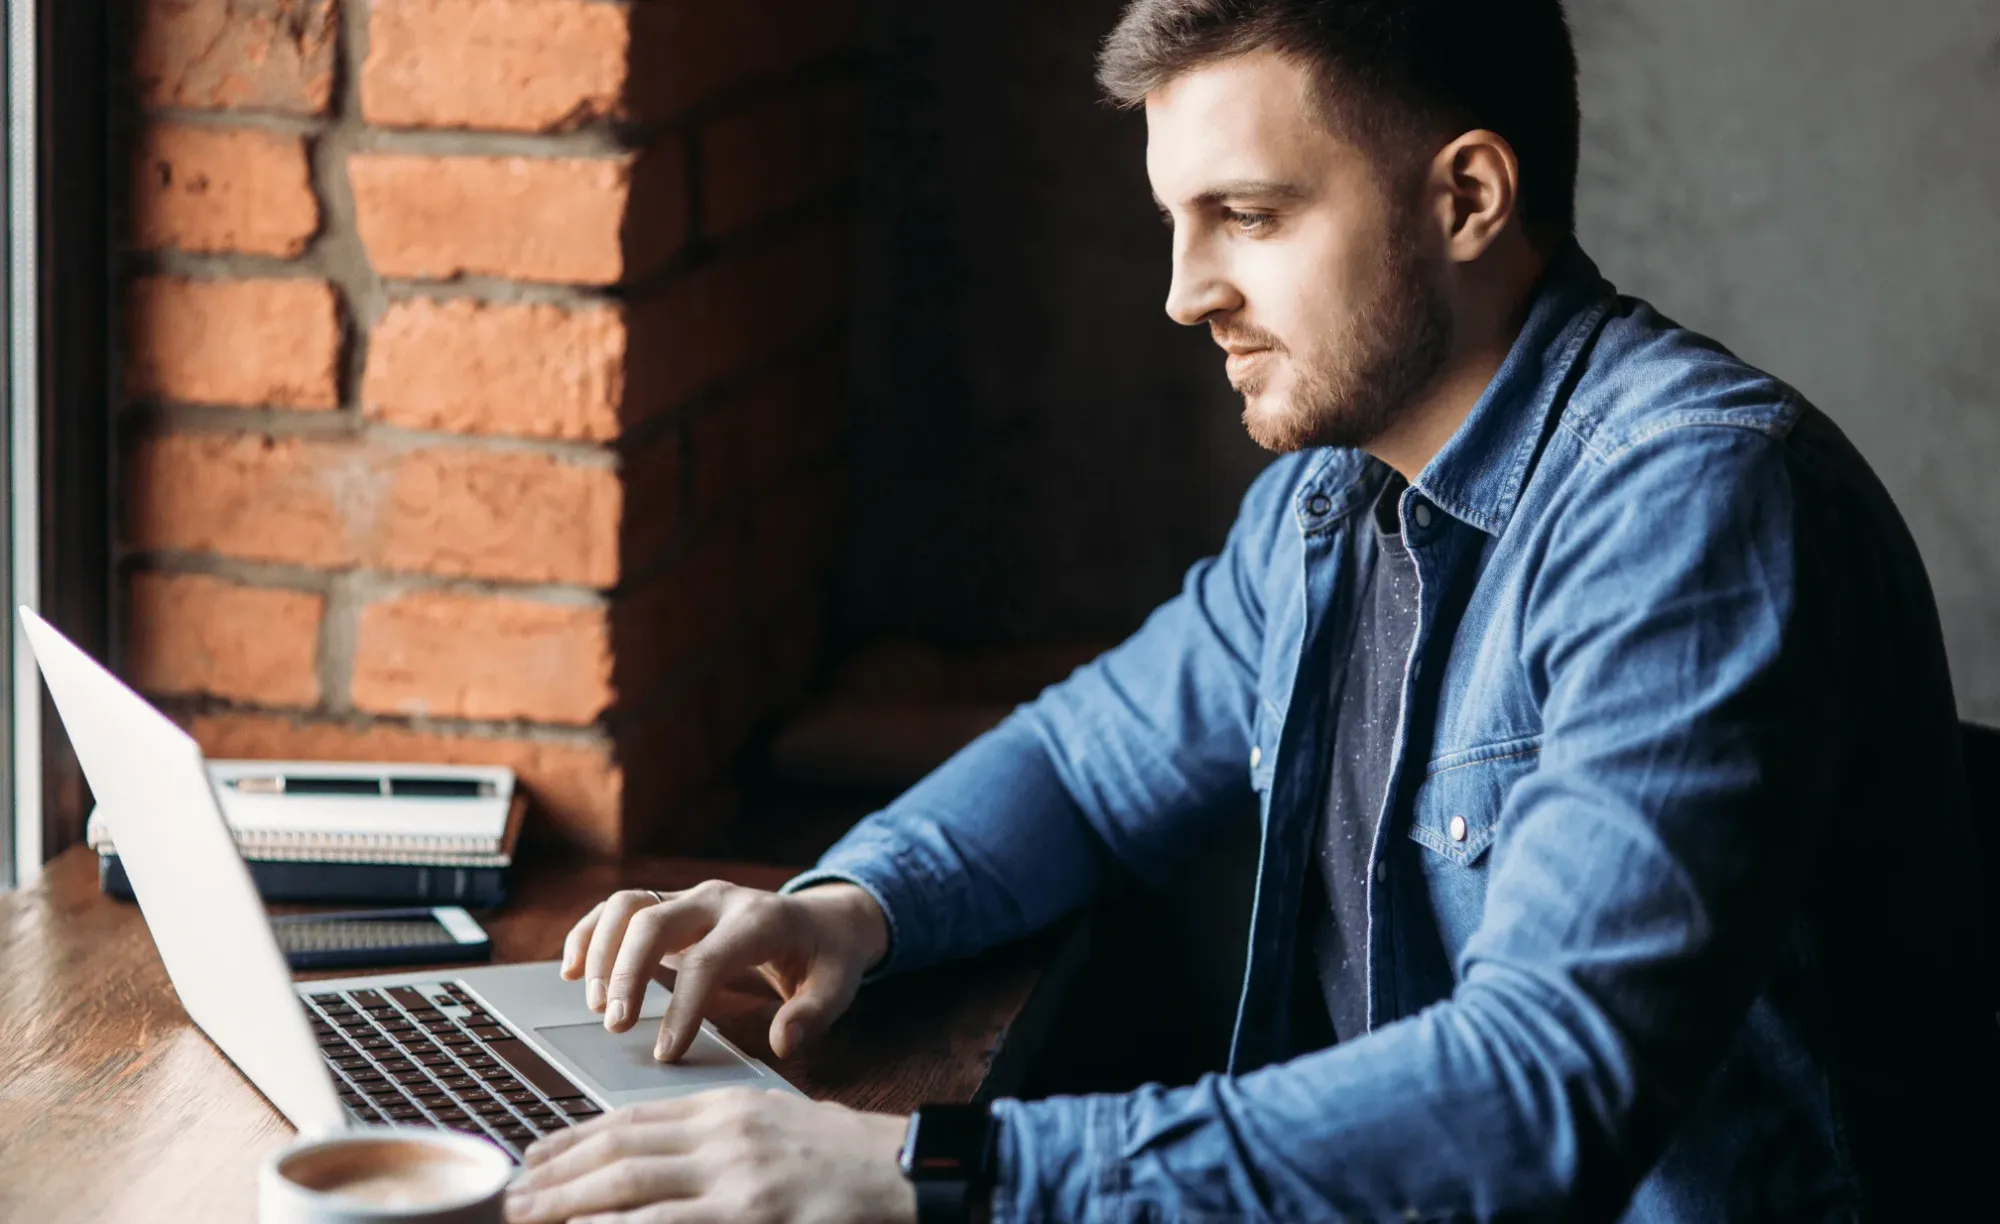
624	1062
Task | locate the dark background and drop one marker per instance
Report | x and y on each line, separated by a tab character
1038	451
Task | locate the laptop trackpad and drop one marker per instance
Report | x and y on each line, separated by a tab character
623	1062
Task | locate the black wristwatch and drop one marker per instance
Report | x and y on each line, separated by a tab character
948	1156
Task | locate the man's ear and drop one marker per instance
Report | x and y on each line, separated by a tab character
1475	182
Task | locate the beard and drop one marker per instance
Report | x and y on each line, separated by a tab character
1352	385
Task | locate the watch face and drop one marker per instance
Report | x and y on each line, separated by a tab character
946	1141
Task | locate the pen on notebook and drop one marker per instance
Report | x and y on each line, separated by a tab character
388	786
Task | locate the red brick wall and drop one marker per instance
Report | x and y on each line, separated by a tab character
484	392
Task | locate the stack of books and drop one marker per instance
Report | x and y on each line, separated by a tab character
326	832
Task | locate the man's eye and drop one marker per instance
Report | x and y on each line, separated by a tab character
1249	222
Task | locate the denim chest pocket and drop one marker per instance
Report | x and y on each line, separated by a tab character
1456	820
1456	815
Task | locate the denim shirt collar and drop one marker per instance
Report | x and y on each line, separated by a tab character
1478	474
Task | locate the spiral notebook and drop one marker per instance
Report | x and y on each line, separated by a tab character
326	831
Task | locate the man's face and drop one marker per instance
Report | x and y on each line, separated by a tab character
1314	273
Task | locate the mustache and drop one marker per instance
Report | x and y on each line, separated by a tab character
1244	336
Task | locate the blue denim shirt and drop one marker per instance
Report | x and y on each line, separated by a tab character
1672	917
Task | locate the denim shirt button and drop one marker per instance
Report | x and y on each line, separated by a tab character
1320	504
1256	756
1382	872
1456	828
1422	514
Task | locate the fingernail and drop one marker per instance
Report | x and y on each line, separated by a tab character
519	1204
667	1042
593	994
617	1013
790	1033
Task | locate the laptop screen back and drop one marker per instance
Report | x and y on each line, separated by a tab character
197	897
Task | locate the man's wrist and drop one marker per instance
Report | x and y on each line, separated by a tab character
852	912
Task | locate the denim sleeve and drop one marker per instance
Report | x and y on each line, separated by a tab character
1123	763
1680	635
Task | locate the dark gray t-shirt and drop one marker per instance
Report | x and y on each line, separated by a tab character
1367	709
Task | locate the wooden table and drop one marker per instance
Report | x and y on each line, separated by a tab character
114	1107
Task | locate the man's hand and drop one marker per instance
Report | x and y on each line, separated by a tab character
734	1154
813	947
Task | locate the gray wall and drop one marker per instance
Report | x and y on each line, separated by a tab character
1039	451
1816	183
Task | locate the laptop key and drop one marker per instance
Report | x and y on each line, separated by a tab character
459	1083
412	1076
393	1062
403	1113
366	1075
479	1060
351	1063
433	1060
492	1109
497	1076
580	1109
520	1096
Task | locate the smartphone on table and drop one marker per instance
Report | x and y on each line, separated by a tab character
433	935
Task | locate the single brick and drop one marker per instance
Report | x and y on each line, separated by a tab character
442	654
250	343
686	51
504	516
465	366
190	634
250	496
731	313
591	221
338	503
532	67
199	188
776	155
269	55
577	783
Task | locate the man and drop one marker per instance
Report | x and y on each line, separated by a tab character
1589	686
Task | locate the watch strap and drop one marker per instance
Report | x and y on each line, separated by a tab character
943	1202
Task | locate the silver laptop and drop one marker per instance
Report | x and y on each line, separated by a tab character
509	1052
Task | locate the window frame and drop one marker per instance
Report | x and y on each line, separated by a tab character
58	413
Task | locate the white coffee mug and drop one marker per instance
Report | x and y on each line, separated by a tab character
384	1174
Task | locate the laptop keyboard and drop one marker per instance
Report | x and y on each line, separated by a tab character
430	1055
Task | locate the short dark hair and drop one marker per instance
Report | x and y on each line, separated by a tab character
1389	73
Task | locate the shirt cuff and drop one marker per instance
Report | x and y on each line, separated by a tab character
1058	1160
826	875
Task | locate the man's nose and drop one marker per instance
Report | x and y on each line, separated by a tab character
1198	289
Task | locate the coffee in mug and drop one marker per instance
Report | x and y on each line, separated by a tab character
374	1175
